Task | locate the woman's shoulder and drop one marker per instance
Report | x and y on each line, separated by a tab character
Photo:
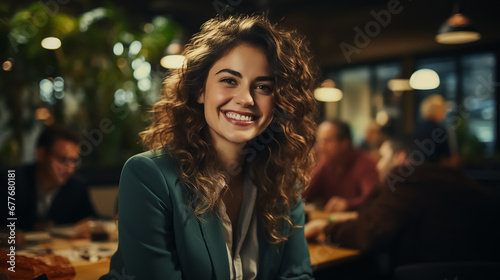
151	175
158	159
158	156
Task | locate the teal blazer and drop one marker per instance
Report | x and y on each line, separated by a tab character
160	238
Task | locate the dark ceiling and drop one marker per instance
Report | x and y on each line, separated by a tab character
330	24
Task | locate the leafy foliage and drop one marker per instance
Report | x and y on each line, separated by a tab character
94	77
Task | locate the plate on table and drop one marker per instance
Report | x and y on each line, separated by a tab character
37	236
64	231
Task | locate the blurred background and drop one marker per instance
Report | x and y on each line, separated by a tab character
98	66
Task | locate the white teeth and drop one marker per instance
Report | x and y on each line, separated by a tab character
238	117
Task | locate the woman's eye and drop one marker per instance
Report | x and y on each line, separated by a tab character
229	81
265	88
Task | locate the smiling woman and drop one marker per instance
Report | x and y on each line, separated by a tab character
230	152
238	102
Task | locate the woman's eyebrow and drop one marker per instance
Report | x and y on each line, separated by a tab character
230	71
238	74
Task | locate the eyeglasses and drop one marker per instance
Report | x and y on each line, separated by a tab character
65	159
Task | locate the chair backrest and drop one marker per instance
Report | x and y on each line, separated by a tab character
104	198
449	271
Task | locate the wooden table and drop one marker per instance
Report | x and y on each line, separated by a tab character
92	270
322	256
73	249
86	269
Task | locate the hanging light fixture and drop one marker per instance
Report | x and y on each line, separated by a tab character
328	92
424	79
398	85
173	59
457	29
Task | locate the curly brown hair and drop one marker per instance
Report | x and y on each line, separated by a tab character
278	161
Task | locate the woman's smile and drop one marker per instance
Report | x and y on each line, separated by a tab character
239	118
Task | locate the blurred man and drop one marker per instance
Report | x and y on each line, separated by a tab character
47	193
421	213
344	176
371	142
432	136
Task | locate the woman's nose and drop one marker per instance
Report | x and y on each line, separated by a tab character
244	98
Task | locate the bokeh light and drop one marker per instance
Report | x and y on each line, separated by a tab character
51	43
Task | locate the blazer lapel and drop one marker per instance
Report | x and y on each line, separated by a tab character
213	235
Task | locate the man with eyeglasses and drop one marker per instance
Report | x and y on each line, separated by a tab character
47	192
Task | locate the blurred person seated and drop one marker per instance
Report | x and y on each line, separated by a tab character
432	135
344	176
421	212
47	192
371	142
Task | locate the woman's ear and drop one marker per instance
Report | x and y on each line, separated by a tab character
201	98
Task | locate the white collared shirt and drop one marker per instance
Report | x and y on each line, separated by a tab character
44	202
243	264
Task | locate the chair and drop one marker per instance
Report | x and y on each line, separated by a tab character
449	271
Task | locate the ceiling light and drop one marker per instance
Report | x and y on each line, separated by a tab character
457	29
424	79
328	92
173	61
399	84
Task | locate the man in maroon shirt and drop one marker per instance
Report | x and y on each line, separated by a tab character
422	212
344	176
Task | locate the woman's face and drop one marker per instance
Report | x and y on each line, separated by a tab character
238	97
